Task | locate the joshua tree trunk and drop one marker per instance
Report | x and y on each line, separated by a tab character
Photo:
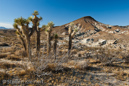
23	42
55	45
28	50
71	34
38	41
48	43
70	45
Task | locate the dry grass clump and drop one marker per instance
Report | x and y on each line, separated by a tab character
12	64
74	51
8	49
121	76
82	64
4	64
13	57
16	71
63	51
54	67
127	59
120	56
82	52
3	55
21	53
51	66
94	61
2	72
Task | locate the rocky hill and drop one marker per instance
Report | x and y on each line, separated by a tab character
95	34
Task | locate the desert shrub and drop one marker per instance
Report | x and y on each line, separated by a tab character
121	75
74	51
13	57
82	64
105	56
5	38
126	58
3	55
9	49
21	53
77	64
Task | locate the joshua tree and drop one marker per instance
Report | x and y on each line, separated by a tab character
71	33
24	33
35	22
44	27
55	43
48	32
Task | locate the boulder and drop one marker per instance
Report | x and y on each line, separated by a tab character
110	32
111	42
88	40
117	30
102	42
115	42
64	33
97	30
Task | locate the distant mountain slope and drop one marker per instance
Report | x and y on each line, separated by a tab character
4	28
7	32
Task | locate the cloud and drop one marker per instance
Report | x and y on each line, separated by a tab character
7	25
